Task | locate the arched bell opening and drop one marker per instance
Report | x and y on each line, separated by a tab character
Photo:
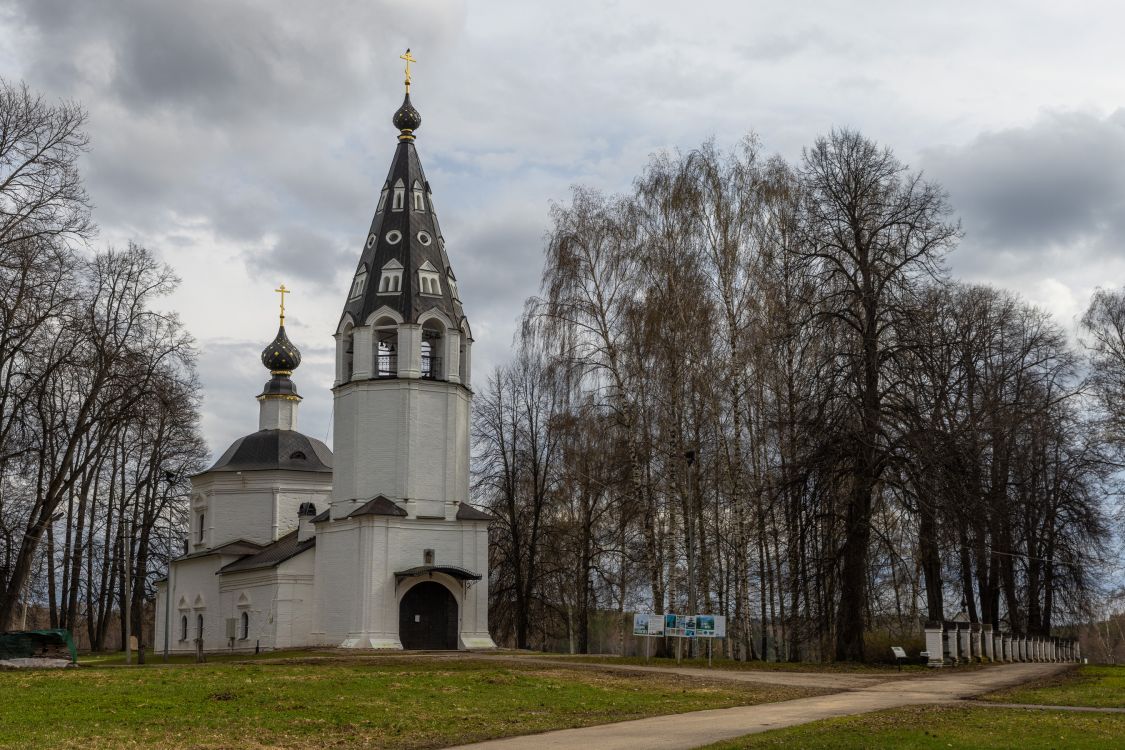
427	618
385	334
347	360
432	343
465	346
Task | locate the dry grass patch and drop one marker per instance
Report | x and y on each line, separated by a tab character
328	703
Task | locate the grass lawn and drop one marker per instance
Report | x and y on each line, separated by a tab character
335	702
944	727
1088	685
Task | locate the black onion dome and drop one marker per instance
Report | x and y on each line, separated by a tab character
407	118
281	355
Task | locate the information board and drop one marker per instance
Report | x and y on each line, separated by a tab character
695	626
710	626
647	624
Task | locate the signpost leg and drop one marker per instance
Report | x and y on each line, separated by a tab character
708	653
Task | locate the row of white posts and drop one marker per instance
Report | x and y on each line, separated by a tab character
971	642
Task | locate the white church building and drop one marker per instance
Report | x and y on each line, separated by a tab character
375	546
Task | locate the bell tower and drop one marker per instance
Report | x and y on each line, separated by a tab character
401	557
403	343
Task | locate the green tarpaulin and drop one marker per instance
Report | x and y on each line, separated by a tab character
30	643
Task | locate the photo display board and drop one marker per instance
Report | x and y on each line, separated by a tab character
680	626
646	624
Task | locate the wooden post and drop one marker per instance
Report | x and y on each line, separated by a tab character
127	607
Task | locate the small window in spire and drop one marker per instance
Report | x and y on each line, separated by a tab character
382	199
391	280
419	200
359	284
370	240
399	196
429	282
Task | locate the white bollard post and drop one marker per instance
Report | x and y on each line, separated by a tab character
950	642
964	647
934	645
976	654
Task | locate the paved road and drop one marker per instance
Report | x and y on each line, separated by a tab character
862	693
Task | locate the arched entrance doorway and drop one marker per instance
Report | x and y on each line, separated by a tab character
427	618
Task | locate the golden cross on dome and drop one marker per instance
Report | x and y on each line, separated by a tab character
409	59
283	291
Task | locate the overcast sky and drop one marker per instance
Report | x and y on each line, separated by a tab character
246	142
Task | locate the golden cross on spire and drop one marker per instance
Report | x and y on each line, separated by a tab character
283	291
409	59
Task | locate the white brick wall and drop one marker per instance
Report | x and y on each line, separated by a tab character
357	599
403	439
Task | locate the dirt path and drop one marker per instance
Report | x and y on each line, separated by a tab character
861	693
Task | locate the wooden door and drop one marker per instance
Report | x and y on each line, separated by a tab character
427	618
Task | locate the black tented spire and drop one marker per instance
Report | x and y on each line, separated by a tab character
403	264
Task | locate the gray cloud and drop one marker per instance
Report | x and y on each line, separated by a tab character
1025	193
247	140
301	253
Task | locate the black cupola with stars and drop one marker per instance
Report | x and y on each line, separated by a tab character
407	119
281	358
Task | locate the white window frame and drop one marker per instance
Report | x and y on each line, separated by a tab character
358	285
399	196
429	283
391	280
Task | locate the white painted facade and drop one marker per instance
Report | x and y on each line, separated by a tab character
394	553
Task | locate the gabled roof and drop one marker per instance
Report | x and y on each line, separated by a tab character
236	547
461	574
272	554
466	512
378	506
409	248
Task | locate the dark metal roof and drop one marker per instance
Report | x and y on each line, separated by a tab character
236	547
276	449
378	506
272	554
410	250
466	512
323	516
460	574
